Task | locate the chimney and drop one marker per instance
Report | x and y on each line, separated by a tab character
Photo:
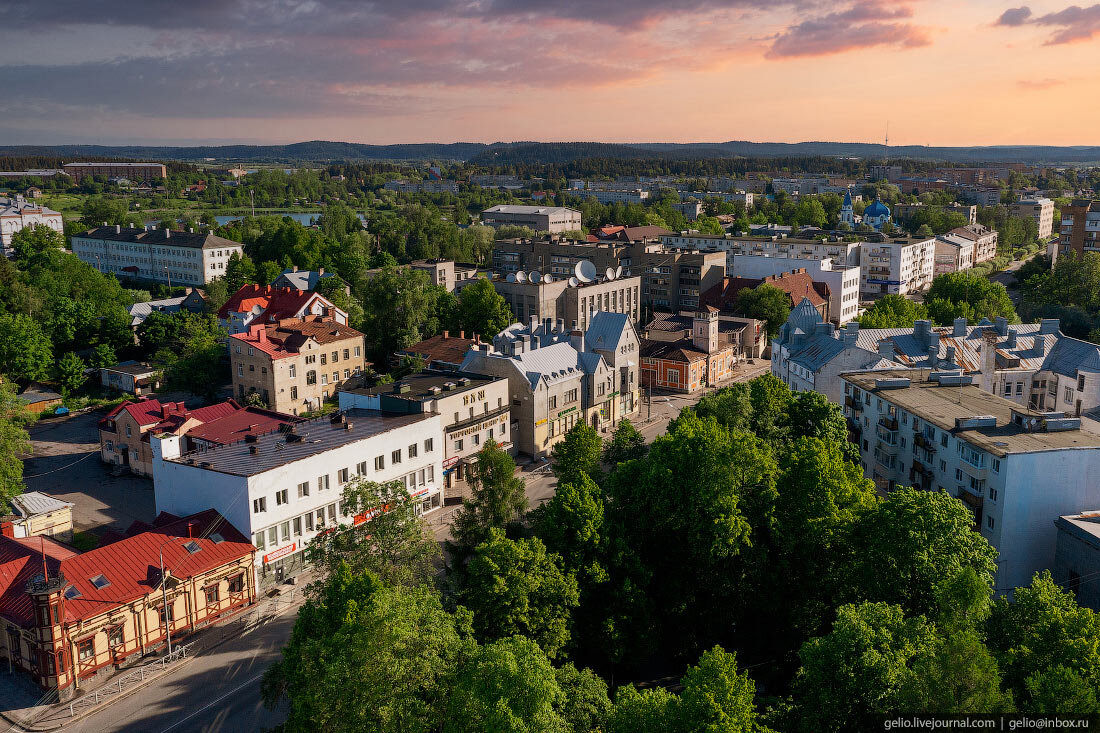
294	269
7	529
118	229
576	339
462	334
921	330
1049	325
1041	344
933	356
1001	325
886	349
320	271
1011	344
534	323
988	359
851	334
518	346
960	327
951	354
167	233
934	341
560	327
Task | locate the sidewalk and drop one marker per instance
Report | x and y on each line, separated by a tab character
31	710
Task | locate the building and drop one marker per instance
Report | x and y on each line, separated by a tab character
883	172
633	196
133	377
284	488
980	195
556	298
447	274
40	398
630	234
193	301
473	409
295	279
442	351
903	212
834	248
146	172
691	350
558	377
842	281
897	266
159	255
71	617
1079	230
1077	556
1041	210
297	364
553	219
797	284
982	238
691	209
17	213
1016	469
953	254
421	186
254	305
36	514
124	432
876	215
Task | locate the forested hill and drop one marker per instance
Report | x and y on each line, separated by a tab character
319	151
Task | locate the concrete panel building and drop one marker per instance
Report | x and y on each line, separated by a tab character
144	172
551	219
159	255
897	266
1041	210
1077	556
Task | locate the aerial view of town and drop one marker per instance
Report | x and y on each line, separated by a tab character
731	367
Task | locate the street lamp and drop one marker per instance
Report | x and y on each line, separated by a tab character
164	595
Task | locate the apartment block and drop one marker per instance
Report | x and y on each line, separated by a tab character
1016	469
553	219
834	248
160	255
1080	227
144	172
574	304
634	196
897	266
1041	210
297	364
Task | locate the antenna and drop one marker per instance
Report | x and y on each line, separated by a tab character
886	144
535	276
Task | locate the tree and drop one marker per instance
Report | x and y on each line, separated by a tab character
14	443
1061	690
197	365
571	525
98	211
70	373
399	307
893	311
579	454
102	356
508	686
626	444
642	711
731	406
516	587
859	667
910	543
239	271
33	245
26	353
482	310
766	303
159	329
253	399
969	295
586	703
717	698
497	496
398	644
812	415
391	541
957	676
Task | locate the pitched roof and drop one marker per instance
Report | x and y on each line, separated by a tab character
143	411
682	350
796	284
270	303
302	279
21	559
140	311
605	329
285	338
35	393
442	347
240	423
35	502
163	237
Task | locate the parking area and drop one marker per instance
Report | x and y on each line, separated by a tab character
66	464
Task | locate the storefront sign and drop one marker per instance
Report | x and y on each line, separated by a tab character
450	462
280	553
567	410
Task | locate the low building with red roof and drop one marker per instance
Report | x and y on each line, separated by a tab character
296	364
691	350
124	431
264	304
71	616
442	351
797	284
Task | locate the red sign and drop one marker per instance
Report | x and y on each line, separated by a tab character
281	552
450	462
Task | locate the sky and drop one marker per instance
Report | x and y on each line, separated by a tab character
936	72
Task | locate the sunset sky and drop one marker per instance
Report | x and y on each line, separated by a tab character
939	72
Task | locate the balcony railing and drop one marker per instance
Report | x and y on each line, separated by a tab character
890	423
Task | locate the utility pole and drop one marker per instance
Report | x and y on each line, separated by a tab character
164	601
252	200
169	274
649	402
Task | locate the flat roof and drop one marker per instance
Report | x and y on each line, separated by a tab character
941	405
420	385
317	436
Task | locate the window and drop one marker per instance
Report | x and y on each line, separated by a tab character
361	469
553	402
324	360
996	465
311	359
251	352
347	354
379	463
1068	396
297	525
342	475
1008	388
258	540
571	395
989	521
332	512
322	483
129	432
335	377
422	477
171	613
311	377
1019	388
282	497
992	494
284	531
293	393
458	443
477	439
320	518
412	451
431	474
395	457
1081	384
358	351
335	356
943	440
259	505
117	636
347	373
272	536
240	369
236	584
324	378
293	372
943	466
958	474
85	649
303	490
428	445
309	521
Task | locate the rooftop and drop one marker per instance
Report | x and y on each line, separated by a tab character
161	237
269	302
420	385
288	336
1085	526
516	209
35	502
304	440
444	347
135	368
942	405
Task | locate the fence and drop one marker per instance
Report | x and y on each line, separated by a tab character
134	676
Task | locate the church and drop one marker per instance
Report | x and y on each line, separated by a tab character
874	215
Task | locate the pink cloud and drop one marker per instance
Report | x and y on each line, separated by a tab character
1074	23
861	26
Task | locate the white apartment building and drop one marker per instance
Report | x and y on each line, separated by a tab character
843	280
161	255
634	196
284	488
897	266
552	219
840	252
17	213
1039	209
1017	470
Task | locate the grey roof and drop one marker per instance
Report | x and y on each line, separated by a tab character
818	351
140	311
555	363
302	279
515	209
162	237
1085	526
605	330
804	316
910	351
420	385
318	435
35	502
36	393
1070	355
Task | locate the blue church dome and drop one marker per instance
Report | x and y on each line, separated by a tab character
877	208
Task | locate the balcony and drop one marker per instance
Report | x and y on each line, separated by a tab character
890	423
854	404
921	441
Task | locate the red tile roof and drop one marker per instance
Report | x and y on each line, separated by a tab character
130	565
235	426
144	411
275	303
444	347
287	336
796	285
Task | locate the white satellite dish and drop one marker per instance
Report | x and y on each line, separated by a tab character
574	282
618	272
609	274
511	277
535	276
548	278
521	276
585	271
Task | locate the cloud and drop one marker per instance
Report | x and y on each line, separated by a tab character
861	26
1036	84
1073	24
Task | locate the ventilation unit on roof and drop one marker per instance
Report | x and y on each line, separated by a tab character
897	383
977	421
192	547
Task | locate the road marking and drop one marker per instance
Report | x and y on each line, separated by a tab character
212	703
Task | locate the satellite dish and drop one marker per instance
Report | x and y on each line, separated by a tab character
511	277
535	276
618	272
585	271
548	278
521	276
609	274
574	282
